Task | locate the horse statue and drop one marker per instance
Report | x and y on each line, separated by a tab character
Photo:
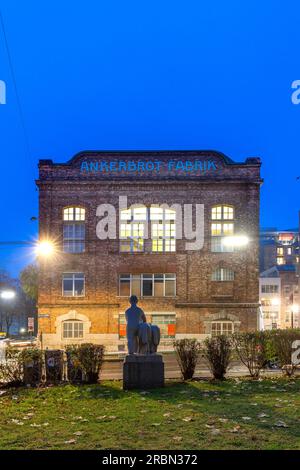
148	338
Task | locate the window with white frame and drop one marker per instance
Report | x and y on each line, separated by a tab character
221	328
133	229
223	274
73	285
72	329
222	225
270	288
74	230
163	229
147	285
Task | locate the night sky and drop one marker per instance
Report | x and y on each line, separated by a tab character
147	75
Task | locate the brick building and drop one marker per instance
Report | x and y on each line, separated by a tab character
84	286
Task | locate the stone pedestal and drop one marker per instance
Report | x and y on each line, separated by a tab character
142	371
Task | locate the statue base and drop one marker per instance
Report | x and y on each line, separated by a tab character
142	371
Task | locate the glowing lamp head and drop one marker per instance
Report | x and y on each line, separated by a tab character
7	294
275	302
295	308
45	248
237	241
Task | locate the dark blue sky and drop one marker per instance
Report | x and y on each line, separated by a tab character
148	75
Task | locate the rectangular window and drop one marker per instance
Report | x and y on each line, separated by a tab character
133	229
280	260
221	328
269	288
147	285
223	274
167	325
73	284
280	251
72	329
74	238
163	229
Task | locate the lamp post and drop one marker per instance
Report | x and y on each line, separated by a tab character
7	295
294	309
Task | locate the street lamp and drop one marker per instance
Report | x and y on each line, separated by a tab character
7	294
45	248
294	309
236	241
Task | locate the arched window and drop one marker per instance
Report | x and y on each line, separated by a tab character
72	329
74	229
222	274
222	225
223	327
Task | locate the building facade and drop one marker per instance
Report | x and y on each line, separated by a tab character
279	247
279	297
168	246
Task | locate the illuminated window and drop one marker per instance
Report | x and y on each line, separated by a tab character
280	260
280	251
72	329
222	213
163	229
222	226
147	285
223	274
133	229
166	323
72	214
74	230
73	284
221	328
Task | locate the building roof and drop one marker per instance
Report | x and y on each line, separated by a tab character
287	267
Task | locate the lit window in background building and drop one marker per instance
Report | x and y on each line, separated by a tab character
280	251
280	260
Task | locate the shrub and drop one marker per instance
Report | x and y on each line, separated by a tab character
251	348
11	370
54	365
86	359
75	372
217	351
32	364
282	341
187	352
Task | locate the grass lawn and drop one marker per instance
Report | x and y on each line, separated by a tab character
236	414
